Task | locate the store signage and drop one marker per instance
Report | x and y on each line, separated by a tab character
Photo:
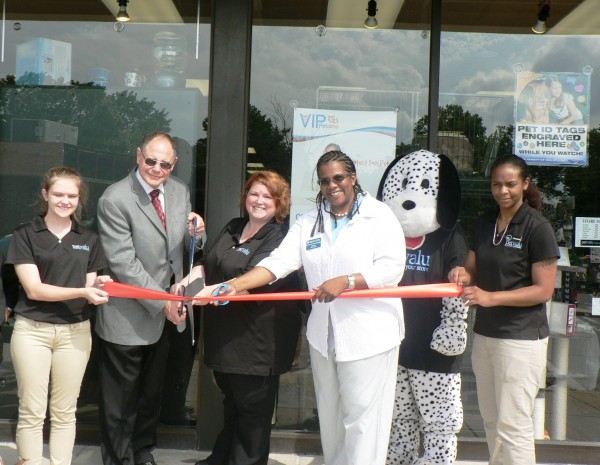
587	232
368	137
552	113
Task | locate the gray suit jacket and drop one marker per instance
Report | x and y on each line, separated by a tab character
139	252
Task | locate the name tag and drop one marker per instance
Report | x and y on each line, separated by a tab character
313	243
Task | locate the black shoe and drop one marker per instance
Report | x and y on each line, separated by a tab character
203	462
145	458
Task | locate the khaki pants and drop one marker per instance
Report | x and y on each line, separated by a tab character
43	354
508	373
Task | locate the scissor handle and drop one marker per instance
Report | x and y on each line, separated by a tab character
222	287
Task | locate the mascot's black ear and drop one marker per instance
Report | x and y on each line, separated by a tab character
385	175
448	200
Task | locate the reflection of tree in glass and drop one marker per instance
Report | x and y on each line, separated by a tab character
454	119
112	122
270	142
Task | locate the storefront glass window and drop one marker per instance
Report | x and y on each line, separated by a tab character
82	94
496	90
327	70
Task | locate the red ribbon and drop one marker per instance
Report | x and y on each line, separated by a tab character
128	291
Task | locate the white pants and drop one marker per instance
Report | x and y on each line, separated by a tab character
509	373
43	352
355	401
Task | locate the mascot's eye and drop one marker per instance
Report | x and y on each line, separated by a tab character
425	183
404	183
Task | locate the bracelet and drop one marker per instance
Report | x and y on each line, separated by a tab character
351	282
231	282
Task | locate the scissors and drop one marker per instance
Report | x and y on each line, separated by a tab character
188	303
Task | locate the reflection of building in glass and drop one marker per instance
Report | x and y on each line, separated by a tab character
409	104
456	137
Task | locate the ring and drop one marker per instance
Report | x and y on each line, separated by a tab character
467	302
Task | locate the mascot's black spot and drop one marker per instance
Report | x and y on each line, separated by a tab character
408	205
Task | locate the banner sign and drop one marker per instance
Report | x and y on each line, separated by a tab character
552	114
367	137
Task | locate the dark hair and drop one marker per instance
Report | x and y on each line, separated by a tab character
532	193
277	186
155	135
331	157
51	176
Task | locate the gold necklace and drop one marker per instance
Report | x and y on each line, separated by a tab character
496	231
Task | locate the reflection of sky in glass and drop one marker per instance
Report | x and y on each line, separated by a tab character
290	64
97	45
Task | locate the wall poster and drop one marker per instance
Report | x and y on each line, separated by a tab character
368	137
552	114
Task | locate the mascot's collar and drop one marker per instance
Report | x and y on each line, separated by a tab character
414	243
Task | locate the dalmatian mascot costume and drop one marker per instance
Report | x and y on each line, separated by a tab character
423	190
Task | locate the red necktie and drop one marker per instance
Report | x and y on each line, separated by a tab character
158	207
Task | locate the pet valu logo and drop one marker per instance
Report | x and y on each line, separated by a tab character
513	242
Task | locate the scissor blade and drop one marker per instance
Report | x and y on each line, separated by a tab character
192	251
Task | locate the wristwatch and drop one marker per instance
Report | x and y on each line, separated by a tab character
351	282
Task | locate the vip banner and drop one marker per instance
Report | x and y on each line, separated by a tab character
368	137
552	114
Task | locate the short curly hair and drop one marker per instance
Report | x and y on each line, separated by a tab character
277	186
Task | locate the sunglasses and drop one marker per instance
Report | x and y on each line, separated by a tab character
165	165
338	178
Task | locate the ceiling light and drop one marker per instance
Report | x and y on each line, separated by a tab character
371	22
122	14
543	12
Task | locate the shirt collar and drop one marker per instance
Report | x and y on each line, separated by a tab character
519	216
38	224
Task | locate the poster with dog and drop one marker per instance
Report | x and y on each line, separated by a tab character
552	113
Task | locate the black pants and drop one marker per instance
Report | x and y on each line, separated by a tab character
131	379
248	409
178	372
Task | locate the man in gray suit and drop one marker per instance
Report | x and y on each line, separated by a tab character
144	222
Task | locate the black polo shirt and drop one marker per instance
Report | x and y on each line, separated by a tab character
507	266
63	263
250	338
429	264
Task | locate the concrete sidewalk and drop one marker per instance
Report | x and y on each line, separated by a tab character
90	455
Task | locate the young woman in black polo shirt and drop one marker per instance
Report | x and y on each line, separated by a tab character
56	260
509	275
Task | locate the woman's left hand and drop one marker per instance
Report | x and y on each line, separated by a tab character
472	295
330	289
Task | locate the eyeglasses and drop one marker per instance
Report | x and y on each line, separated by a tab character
338	178
165	165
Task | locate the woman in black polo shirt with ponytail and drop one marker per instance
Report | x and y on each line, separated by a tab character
57	261
509	276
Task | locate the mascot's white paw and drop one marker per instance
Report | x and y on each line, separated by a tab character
450	337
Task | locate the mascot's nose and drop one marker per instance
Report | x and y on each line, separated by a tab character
408	205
